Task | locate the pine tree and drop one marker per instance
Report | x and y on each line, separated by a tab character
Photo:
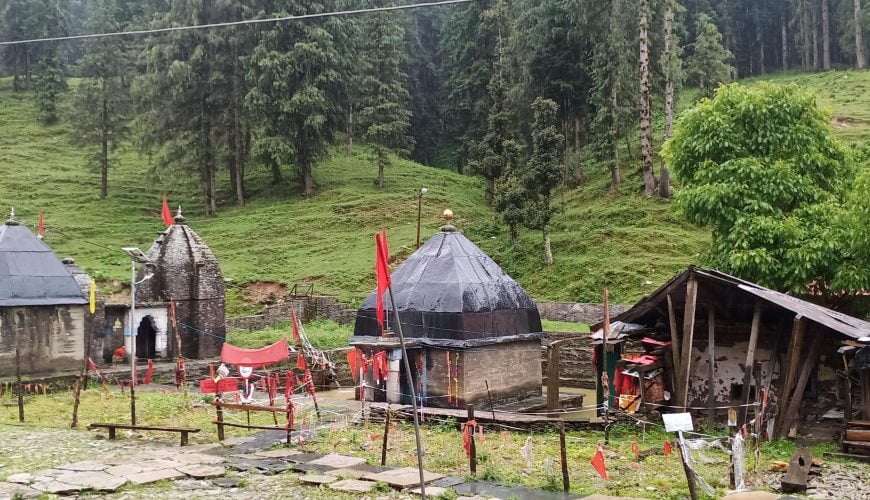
649	181
708	65
384	116
49	83
542	175
20	20
672	69
425	84
859	42
101	102
296	74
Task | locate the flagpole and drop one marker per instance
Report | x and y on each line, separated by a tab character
398	326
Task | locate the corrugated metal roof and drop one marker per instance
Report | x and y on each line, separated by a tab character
30	273
839	322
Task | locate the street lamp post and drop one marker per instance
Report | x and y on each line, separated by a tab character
419	212
135	255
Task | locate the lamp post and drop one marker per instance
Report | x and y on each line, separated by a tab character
139	256
419	212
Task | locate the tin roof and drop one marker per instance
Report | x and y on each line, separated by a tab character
30	273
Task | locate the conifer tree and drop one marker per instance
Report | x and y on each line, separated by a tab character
49	83
384	116
649	181
672	69
708	65
101	103
542	175
425	84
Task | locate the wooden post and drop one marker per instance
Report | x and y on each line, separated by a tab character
83	377
489	395
472	450
847	414
220	419
865	394
675	337
18	382
750	361
688	337
711	370
790	413
553	377
563	455
386	433
788	372
690	476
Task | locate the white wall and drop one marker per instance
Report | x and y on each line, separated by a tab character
160	317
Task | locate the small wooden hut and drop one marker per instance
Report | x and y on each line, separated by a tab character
710	342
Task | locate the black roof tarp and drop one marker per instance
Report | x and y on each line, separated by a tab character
450	289
30	273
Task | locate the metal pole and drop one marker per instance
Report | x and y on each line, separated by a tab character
419	214
398	326
132	342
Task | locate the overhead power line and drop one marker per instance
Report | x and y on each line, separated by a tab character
239	23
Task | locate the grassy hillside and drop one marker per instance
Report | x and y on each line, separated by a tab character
619	239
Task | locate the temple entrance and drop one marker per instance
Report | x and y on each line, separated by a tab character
146	339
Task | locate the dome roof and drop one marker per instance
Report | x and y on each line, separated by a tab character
450	288
184	268
30	273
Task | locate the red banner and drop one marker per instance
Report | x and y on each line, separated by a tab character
269	355
208	386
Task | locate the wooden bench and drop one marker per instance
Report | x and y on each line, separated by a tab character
183	430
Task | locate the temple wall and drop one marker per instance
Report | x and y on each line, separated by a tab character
50	338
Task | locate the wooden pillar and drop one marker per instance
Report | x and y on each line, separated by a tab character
563	456
553	376
790	413
472	458
220	419
675	336
789	371
750	361
711	360
688	337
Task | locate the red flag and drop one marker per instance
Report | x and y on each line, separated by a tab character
382	271
668	448
296	337
40	228
635	449
300	362
467	432
166	213
149	373
598	463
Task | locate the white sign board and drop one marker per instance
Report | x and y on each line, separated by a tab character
677	422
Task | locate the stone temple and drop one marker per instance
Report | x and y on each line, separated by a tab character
466	323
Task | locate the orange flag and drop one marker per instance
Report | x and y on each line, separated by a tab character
635	449
300	362
40	228
382	271
667	448
166	213
598	463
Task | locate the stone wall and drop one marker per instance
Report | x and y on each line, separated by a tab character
306	309
575	361
49	338
575	312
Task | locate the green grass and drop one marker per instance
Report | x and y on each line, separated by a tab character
323	333
564	326
600	238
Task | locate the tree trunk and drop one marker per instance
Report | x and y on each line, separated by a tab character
815	31
104	142
576	132
238	160
350	130
669	76
490	190
212	191
759	40
548	251
277	178
514	235
613	132
859	42
826	37
665	182
566	146
649	186
27	71
805	34
308	180
784	43
381	164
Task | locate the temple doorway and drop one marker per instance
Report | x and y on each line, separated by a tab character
146	339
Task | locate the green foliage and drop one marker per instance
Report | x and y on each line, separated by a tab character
323	334
49	83
544	172
761	168
564	326
708	65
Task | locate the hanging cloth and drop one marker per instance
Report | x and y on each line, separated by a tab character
467	432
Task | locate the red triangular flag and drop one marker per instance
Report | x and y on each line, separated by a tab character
166	213
40	229
300	362
598	463
667	448
635	449
382	272
296	337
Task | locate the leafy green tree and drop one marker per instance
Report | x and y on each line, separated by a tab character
543	173
297	76
761	168
101	103
384	115
708	65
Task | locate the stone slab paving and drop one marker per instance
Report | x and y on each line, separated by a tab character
319	469
92	480
337	461
318	478
447	482
403	478
431	491
352	486
152	476
518	492
302	458
277	453
202	471
87	465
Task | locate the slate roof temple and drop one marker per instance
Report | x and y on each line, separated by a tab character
466	322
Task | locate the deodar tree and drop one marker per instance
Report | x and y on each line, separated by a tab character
543	173
760	167
708	65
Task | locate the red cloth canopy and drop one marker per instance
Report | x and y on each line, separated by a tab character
263	356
